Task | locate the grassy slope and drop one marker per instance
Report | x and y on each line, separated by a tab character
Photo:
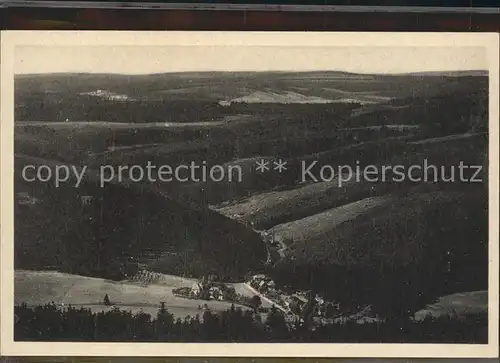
38	288
317	226
376	227
459	304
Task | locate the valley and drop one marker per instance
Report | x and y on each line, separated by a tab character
357	244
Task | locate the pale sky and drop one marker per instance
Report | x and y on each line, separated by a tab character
162	59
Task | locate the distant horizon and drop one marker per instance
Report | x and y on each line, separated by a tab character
485	71
142	60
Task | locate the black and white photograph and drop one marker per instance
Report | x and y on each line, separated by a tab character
277	189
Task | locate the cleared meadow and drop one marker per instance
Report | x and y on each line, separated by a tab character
43	287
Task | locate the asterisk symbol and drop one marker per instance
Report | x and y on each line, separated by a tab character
280	165
262	165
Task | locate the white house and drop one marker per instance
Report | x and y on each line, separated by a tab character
196	289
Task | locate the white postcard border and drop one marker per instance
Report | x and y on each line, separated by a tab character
11	39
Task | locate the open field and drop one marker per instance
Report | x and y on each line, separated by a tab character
268	209
457	305
43	287
317	226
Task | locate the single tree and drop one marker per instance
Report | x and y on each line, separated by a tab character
255	302
276	323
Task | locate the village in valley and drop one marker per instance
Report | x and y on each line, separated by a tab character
296	307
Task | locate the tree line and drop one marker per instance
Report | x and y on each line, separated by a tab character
50	323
